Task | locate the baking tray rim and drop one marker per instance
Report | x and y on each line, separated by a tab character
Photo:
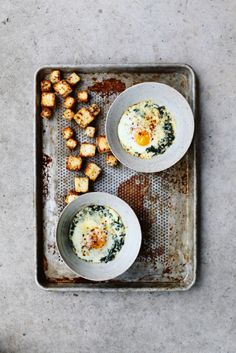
124	288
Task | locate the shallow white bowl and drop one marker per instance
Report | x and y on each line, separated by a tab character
128	253
162	95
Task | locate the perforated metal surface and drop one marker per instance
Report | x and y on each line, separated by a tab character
163	202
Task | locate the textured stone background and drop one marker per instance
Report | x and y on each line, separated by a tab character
201	33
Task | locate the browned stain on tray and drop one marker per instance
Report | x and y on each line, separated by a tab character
65	279
47	160
52	248
108	86
135	191
167	270
183	84
177	177
160	250
45	263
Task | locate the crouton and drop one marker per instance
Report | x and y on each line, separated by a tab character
69	102
90	131
46	113
67	133
68	114
81	184
111	160
87	149
83	96
46	86
94	109
102	144
48	100
84	117
63	88
71	143
92	171
73	163
55	76
73	79
71	196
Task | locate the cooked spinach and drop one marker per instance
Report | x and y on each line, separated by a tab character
163	144
118	243
169	134
107	216
96	208
153	150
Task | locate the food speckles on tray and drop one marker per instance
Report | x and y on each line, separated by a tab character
108	87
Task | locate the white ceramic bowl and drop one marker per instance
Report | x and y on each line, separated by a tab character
128	253
162	95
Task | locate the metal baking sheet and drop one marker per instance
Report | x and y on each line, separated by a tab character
164	202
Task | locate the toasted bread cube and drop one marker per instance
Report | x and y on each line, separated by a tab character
94	109
83	96
102	144
63	88
111	160
84	117
73	163
46	86
68	114
73	79
71	196
69	102
67	133
71	143
81	184
48	100
87	149
55	76
46	113
92	171
90	131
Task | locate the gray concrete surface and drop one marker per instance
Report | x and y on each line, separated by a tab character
201	33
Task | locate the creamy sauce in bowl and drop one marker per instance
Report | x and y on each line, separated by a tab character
146	129
97	234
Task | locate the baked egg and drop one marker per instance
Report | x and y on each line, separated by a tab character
97	233
146	129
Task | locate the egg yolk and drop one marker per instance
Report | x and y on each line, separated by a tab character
96	238
142	138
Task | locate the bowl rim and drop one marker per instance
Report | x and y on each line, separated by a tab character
175	160
138	232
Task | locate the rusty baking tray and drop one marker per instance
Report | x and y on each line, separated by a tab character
164	202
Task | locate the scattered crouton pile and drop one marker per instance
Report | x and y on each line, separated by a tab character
63	87
83	118
92	170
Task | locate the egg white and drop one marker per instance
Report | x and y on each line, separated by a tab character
87	219
142	116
